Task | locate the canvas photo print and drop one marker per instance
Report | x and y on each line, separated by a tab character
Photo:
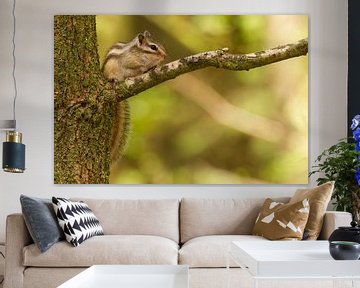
181	99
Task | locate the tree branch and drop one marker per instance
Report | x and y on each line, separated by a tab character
218	59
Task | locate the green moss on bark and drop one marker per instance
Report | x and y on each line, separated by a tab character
82	119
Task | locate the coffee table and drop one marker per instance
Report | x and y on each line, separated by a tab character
292	260
131	276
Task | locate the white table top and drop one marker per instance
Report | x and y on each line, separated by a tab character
131	276
291	259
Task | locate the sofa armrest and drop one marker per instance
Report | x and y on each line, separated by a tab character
333	220
17	237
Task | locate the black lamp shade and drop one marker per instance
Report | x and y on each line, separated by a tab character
13	157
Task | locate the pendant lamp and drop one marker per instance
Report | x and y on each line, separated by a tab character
13	160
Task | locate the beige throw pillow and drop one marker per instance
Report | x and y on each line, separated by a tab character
279	221
319	198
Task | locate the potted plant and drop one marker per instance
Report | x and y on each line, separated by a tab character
341	163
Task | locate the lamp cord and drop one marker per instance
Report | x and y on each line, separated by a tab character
14	61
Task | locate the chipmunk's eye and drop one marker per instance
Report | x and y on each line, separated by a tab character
153	47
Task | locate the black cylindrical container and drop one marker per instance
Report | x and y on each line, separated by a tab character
351	233
13	153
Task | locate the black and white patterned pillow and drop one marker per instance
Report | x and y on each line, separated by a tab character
77	220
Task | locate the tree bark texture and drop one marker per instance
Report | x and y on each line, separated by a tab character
85	102
82	123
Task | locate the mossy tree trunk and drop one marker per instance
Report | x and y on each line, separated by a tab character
82	119
85	102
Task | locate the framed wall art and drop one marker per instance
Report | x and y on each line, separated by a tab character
181	99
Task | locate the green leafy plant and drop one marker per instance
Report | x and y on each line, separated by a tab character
341	163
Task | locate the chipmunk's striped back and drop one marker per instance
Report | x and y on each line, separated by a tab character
125	60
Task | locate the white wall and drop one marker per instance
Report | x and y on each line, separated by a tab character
328	69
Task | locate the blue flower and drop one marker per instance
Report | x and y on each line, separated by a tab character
355	122
355	126
356	134
357	176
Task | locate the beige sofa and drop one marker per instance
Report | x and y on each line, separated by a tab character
194	232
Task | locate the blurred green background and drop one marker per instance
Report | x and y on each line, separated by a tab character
215	126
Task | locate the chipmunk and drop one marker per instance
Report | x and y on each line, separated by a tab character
128	60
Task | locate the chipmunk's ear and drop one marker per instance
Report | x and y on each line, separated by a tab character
147	34
140	38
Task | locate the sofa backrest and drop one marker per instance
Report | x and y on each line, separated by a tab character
159	217
200	217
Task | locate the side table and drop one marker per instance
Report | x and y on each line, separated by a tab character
294	263
131	276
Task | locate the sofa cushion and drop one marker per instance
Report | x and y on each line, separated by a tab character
279	221
41	221
211	251
159	217
200	217
107	249
319	198
35	277
77	220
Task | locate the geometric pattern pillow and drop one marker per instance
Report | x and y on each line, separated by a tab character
77	220
319	198
279	221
